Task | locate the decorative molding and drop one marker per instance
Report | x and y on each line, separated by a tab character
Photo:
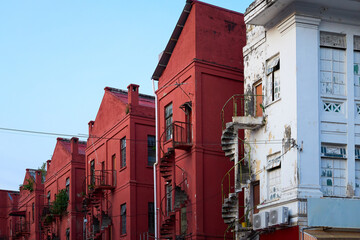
300	21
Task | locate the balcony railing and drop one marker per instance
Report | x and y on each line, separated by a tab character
242	105
22	228
102	180
176	136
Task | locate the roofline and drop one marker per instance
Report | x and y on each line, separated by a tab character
111	89
166	54
69	140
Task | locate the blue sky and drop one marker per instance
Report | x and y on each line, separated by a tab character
56	57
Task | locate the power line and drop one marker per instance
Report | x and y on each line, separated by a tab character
79	135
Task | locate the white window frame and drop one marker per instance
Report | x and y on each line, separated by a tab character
274	176
333	170
273	79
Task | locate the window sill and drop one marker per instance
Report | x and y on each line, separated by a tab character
273	102
334	97
123	235
122	169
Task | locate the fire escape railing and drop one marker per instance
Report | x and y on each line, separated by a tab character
178	135
22	227
103	179
182	185
243	105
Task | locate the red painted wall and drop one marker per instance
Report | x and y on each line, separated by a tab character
127	115
68	161
291	233
208	61
8	204
26	201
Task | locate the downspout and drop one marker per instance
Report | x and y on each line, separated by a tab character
156	162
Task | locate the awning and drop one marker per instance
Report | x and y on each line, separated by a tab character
330	234
17	213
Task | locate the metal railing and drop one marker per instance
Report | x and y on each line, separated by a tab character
243	105
22	227
176	135
102	179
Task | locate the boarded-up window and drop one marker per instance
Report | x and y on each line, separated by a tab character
333	170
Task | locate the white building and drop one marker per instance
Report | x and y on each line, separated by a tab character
305	56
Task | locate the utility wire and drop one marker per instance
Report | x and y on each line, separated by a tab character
271	141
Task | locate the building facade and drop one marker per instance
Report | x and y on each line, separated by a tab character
62	214
120	155
28	214
303	145
200	68
8	213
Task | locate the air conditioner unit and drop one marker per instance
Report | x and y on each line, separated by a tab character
279	216
260	220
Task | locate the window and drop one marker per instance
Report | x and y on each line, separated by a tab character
256	196
183	222
67	186
92	172
273	79
357	65
357	171
274	183
258	100
123	152
48	197
33	211
332	64
151	150
333	170
168	122
68	234
168	198
151	215
113	164
123	218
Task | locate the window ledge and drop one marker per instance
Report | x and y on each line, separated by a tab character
123	235
334	97
122	169
269	104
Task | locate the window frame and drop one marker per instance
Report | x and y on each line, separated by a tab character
328	173
123	219
151	217
273	74
123	152
151	150
168	121
67	186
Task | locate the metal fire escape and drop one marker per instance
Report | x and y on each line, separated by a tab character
247	115
96	204
175	136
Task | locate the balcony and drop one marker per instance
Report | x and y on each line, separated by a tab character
102	180
176	136
22	228
246	112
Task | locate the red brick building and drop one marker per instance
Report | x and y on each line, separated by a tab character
119	160
199	70
62	218
28	224
8	213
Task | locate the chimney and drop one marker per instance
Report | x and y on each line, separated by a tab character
48	164
38	178
133	94
74	145
91	124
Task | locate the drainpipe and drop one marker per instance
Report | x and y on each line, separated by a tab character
156	162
